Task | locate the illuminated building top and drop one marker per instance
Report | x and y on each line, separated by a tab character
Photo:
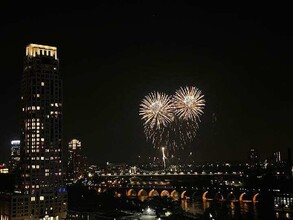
41	50
74	144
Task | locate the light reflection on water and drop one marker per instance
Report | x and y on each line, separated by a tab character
234	210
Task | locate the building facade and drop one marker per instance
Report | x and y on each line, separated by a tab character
40	191
14	155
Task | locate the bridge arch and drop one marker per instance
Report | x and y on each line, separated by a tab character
187	194
182	196
219	196
255	198
142	195
165	193
131	193
153	193
231	197
175	195
196	195
241	197
244	197
204	195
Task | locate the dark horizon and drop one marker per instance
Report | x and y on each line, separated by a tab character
112	55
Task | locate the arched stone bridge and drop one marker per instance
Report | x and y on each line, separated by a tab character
205	194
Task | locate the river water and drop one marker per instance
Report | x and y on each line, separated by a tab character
234	210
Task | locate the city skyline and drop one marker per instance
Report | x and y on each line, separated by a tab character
241	62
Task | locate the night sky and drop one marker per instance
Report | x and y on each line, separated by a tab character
113	54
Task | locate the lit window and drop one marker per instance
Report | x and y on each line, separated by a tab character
42	84
33	199
42	198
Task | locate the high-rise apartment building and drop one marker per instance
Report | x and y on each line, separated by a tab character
40	190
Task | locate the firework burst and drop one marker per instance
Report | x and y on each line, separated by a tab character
172	121
156	110
188	103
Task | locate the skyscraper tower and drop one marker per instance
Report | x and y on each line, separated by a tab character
75	163
41	134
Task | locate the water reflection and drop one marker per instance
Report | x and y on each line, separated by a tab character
234	210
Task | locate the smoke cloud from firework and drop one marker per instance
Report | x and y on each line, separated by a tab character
172	121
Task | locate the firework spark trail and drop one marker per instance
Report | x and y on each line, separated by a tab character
164	157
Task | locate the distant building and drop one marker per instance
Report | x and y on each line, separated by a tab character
289	163
253	158
276	157
283	201
3	168
116	168
289	157
76	163
14	155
